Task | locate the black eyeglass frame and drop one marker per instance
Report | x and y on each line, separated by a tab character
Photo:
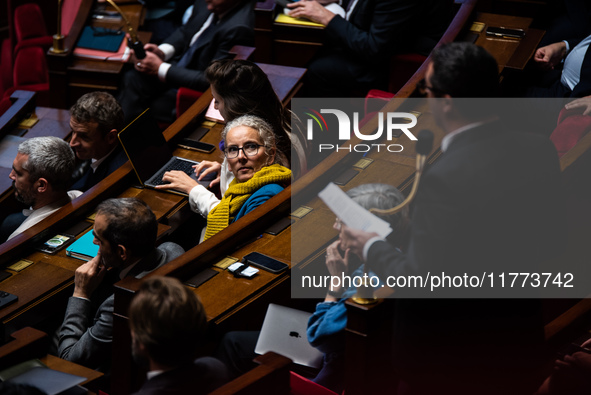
422	87
226	153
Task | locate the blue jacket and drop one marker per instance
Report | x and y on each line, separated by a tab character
256	199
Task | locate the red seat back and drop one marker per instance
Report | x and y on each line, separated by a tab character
30	67
29	22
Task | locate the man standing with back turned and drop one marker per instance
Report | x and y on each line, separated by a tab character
488	203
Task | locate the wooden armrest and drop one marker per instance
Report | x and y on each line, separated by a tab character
23	102
270	377
28	343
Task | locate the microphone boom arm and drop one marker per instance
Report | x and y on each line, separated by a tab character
133	42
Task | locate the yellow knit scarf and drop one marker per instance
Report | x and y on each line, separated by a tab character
239	192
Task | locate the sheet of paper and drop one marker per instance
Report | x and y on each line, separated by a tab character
351	213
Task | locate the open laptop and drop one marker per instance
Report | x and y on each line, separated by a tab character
284	332
150	155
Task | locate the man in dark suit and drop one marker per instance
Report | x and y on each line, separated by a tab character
125	231
356	54
167	323
214	28
95	120
489	204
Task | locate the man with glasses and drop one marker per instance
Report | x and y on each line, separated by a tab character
486	205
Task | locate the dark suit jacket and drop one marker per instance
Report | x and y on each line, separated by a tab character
490	204
381	27
236	28
86	334
359	50
202	377
109	165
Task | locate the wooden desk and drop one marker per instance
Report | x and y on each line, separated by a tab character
510	53
70	77
281	43
29	343
62	365
53	274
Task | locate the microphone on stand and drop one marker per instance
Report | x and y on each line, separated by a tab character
132	41
423	148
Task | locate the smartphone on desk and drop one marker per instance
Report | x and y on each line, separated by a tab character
265	262
196	145
505	32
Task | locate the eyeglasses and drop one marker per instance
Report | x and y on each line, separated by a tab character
249	149
423	87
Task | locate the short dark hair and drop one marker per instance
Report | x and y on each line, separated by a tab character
168	319
131	223
464	70
99	107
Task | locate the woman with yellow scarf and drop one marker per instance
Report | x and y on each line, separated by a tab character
259	174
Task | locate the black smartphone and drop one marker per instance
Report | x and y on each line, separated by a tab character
265	262
505	32
196	145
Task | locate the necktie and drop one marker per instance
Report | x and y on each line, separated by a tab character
203	34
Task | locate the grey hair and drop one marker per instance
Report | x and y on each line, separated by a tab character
265	132
50	158
383	196
99	107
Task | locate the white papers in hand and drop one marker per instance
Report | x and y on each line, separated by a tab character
351	213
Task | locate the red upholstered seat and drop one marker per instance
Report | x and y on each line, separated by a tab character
302	386
29	24
185	98
572	126
31	74
402	67
374	101
5	66
29	27
30	67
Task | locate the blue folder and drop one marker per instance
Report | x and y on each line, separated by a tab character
83	248
101	39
